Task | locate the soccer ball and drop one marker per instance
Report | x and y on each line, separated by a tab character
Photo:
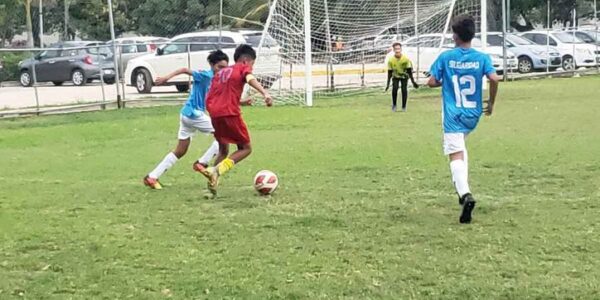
265	182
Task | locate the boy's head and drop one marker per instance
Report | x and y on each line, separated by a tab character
463	27
218	60
244	54
397	49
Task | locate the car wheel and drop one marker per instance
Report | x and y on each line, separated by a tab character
78	78
568	63
57	83
183	87
525	64
143	81
109	81
25	79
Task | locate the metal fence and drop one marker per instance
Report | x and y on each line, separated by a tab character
94	74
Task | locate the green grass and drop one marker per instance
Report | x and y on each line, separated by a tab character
365	210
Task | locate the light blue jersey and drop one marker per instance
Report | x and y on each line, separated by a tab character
461	73
196	103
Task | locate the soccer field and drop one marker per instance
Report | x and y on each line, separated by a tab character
365	209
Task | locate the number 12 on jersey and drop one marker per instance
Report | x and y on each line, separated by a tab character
461	95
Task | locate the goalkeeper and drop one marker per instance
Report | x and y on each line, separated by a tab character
399	71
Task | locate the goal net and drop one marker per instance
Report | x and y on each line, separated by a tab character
349	42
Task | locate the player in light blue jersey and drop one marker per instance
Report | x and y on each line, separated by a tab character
193	118
460	73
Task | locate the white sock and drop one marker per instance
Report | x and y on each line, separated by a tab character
163	166
460	175
210	153
466	160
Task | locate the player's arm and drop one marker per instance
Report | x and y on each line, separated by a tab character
251	80
494	82
412	79
433	83
436	71
390	74
163	80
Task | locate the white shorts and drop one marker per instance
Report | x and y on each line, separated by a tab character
454	142
189	127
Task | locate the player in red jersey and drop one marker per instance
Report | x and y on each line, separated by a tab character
223	103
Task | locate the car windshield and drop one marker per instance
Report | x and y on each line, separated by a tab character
517	40
594	35
567	38
254	40
100	49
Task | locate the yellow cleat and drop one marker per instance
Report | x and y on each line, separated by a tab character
213	180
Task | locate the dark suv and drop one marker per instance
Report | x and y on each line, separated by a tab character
77	62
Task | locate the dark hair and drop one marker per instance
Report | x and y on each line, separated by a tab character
244	50
464	27
216	56
396	44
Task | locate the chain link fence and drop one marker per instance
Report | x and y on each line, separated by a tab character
76	64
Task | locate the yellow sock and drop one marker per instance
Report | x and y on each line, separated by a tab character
224	166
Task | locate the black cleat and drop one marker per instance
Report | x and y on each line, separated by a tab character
468	204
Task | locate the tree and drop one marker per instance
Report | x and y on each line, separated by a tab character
28	24
11	20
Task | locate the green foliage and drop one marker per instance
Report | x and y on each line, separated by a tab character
365	210
11	19
169	18
10	63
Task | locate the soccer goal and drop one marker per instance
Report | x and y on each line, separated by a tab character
339	47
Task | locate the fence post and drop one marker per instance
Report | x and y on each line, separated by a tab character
597	36
280	76
548	38
189	63
37	99
103	105
417	36
362	76
504	52
112	36
120	70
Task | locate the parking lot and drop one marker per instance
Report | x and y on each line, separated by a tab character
15	97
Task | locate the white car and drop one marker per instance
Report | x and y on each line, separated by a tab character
191	50
575	52
426	48
130	48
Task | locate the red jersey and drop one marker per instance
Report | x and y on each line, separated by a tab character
226	89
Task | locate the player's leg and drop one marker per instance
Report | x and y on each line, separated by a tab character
221	161
229	130
184	136
404	87
395	86
454	147
203	124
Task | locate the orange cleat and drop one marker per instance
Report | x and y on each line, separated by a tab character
202	169
152	183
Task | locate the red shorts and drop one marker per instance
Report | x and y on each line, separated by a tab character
231	130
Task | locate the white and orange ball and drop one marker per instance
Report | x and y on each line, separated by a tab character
265	182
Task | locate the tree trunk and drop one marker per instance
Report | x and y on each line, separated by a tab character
29	25
66	30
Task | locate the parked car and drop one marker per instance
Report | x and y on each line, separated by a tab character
191	50
426	48
69	61
587	36
130	48
530	55
575	53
